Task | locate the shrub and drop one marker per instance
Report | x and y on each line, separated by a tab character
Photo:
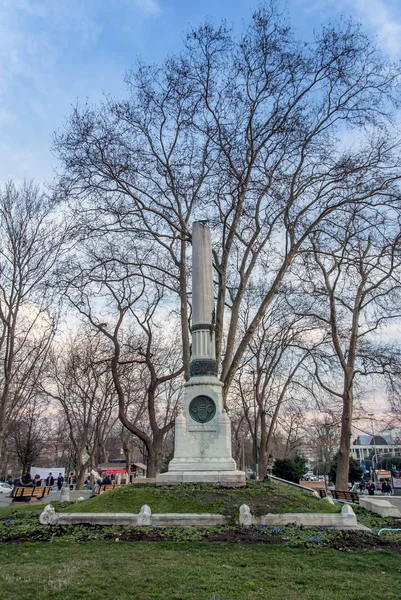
288	469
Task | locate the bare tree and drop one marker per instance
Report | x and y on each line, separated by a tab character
81	383
31	242
322	438
352	288
28	432
120	303
243	131
273	372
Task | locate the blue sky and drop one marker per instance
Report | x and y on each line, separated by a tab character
54	53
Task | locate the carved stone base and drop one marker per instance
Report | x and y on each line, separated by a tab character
223	478
201	465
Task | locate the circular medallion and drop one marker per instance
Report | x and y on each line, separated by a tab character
202	409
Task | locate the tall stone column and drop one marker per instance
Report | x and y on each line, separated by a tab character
202	450
203	360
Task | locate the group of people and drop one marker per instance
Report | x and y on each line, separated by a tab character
27	481
370	487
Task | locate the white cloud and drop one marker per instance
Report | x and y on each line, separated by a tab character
53	52
150	7
381	16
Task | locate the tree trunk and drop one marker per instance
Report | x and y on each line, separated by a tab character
154	457
81	470
128	462
2	429
345	439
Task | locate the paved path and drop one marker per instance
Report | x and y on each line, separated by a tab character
74	495
4	500
394	500
52	497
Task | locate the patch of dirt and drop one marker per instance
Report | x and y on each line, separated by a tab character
243	536
351	540
260	504
343	541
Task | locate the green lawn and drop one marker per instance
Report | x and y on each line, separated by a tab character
196	571
81	561
262	497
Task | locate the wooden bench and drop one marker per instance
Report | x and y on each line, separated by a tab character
25	494
322	492
344	496
106	488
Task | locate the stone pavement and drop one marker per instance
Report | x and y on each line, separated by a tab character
4	500
394	500
74	495
52	497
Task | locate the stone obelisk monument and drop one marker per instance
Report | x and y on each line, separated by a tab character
202	450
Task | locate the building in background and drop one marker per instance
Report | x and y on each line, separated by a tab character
373	450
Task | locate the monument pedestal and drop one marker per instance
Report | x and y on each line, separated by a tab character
221	478
202	447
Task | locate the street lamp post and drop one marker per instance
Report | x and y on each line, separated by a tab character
255	427
371	415
256	437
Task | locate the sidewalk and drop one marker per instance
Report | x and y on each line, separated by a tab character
52	497
74	495
394	500
4	501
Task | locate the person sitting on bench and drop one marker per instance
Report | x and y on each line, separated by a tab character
27	481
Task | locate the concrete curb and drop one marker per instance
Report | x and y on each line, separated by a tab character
344	520
381	507
295	485
144	518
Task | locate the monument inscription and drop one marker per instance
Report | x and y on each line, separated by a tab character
202	409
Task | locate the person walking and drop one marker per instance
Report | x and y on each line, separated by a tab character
50	480
371	488
386	488
60	481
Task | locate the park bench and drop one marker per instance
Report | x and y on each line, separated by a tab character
322	492
25	494
106	488
344	496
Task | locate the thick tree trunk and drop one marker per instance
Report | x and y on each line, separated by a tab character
128	462
154	457
3	458
81	470
345	439
2	430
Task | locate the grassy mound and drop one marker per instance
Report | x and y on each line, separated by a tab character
261	497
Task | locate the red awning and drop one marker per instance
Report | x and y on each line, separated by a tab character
111	471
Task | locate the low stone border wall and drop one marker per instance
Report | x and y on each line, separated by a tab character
383	508
344	520
295	485
144	518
